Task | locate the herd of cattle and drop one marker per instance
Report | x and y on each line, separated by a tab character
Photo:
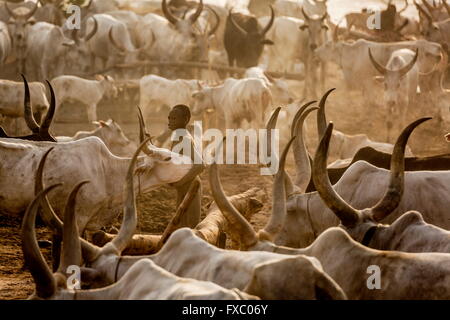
377	205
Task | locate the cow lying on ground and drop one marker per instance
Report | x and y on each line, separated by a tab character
361	186
346	260
298	277
143	281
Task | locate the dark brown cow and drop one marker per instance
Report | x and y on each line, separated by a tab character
244	39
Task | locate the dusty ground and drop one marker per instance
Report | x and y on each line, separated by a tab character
351	115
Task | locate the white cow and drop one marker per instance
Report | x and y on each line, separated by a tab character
87	92
400	78
159	94
278	87
111	134
101	201
234	101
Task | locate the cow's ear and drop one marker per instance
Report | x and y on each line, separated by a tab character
303	27
267	42
379	79
99	77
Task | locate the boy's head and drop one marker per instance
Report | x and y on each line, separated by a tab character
179	117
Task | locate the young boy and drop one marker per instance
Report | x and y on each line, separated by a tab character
179	118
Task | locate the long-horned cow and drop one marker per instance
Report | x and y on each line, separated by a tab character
400	78
244	39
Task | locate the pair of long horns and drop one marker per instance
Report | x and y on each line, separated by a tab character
25	16
45	282
244	32
174	20
119	46
308	18
40	133
77	38
238	223
403	71
348	215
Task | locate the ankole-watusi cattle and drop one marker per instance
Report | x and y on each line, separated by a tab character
111	134
89	159
144	280
234	101
39	132
400	78
299	277
407	233
346	260
346	146
362	185
84	91
244	39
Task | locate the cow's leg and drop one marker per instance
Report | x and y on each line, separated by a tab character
92	112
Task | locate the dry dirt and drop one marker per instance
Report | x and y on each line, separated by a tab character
351	115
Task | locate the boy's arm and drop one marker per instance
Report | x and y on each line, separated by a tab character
196	169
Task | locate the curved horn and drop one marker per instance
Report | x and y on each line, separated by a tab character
237	26
216	26
298	114
129	221
94	30
169	16
301	156
447	7
43	277
410	65
381	69
307	18
3	133
238	224
71	250
45	126
406	7
428	6
275	223
28	112
424	12
111	38
271	125
48	215
393	195
143	134
10	12
270	23
197	13
346	213
321	115
142	129
31	12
